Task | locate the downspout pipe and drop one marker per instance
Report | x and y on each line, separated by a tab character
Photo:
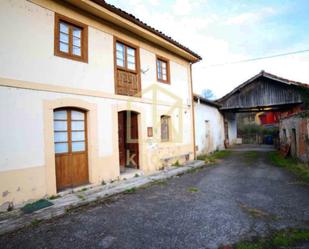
193	115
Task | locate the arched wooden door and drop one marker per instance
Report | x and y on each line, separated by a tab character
70	137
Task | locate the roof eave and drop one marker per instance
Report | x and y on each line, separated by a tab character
106	12
205	101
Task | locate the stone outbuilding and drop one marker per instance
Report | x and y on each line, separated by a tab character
294	132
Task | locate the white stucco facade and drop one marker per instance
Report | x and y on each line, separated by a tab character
209	128
232	127
33	81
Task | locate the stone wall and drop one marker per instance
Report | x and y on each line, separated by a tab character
294	131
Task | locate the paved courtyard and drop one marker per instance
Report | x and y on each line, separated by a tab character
240	197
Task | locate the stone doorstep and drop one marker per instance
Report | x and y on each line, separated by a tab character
16	219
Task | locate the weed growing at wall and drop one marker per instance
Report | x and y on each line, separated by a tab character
131	191
176	164
293	165
212	158
81	197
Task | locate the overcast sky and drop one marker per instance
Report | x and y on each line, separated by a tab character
223	31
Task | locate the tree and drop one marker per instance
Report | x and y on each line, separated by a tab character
208	94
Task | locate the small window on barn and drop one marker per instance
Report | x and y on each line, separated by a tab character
165	128
71	39
163	70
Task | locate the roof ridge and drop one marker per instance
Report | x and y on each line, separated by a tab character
266	74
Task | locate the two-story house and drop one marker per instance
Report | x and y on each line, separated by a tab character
87	92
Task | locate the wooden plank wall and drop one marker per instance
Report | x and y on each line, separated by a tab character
262	93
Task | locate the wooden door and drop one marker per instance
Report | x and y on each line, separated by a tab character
70	137
226	130
132	141
226	134
128	139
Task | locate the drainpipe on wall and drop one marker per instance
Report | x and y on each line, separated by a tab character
193	116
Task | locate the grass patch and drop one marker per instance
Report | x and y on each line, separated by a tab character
194	170
257	213
35	222
290	237
81	197
130	191
280	239
221	154
54	197
176	164
201	157
159	182
250	156
193	190
212	158
296	167
83	190
154	183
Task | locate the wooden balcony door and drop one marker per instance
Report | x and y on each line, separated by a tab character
128	140
71	156
127	69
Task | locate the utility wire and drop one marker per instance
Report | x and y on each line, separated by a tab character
258	58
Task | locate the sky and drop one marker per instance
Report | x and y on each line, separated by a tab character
225	31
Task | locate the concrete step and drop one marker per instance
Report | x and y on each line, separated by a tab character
16	219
